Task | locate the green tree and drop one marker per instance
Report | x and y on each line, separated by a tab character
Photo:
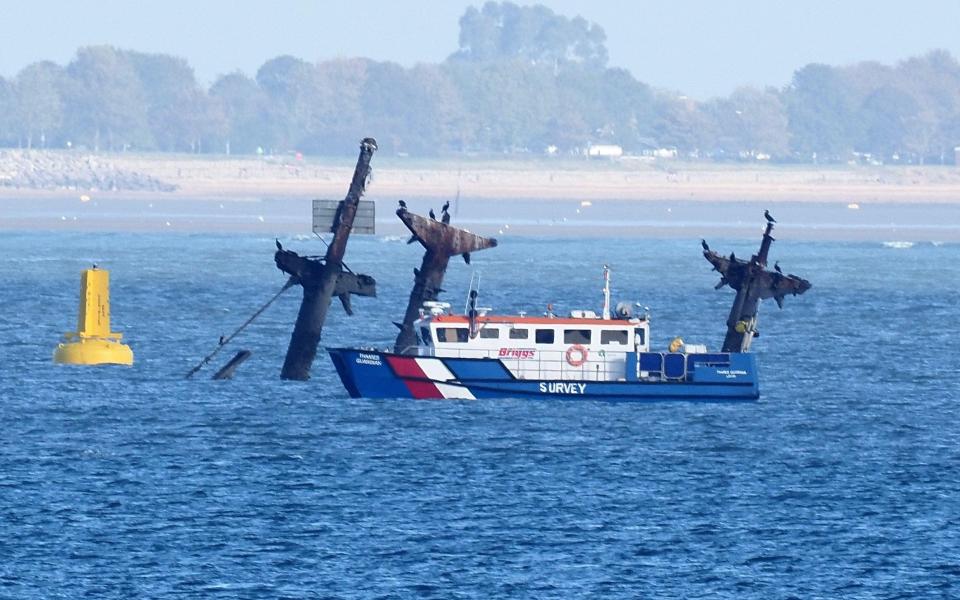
681	123
176	106
886	115
431	119
822	114
290	85
933	80
748	123
40	105
611	106
506	31
508	103
8	111
244	107
105	101
332	106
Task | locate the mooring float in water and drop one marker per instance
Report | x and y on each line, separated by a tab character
93	343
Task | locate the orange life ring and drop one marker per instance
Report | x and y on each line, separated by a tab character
581	351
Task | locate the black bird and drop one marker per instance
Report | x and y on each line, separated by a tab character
223	340
705	246
279	247
770	219
446	206
445	218
433	215
402	204
776	267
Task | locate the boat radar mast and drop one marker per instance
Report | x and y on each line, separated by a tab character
606	292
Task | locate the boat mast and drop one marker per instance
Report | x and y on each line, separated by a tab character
606	292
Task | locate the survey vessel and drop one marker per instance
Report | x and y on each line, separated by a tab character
579	355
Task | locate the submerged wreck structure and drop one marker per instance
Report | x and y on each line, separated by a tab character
326	277
753	283
441	241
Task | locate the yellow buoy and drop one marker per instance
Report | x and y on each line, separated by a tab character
93	343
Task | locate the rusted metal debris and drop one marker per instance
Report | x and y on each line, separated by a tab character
231	367
324	278
441	241
753	283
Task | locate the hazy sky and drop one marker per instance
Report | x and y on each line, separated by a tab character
700	47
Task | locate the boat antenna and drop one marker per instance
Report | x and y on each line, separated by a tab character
474	286
456	201
471	307
472	314
606	292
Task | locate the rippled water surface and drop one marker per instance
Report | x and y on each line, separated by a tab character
131	482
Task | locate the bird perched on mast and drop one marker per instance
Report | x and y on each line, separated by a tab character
445	213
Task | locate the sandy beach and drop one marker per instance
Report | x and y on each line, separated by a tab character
629	197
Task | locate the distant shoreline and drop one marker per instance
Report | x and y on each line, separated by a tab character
527	197
245	178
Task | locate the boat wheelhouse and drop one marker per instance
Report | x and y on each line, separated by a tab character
581	347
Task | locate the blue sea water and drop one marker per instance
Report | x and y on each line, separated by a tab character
842	481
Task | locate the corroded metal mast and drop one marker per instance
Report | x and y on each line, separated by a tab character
321	279
441	241
753	282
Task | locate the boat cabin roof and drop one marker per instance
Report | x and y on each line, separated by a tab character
516	320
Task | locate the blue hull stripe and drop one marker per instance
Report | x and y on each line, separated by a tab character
366	373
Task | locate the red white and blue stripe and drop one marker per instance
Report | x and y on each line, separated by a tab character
712	377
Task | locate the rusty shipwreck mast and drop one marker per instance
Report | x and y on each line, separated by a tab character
753	283
321	279
441	241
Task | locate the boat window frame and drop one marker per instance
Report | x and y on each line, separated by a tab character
605	333
640	336
525	331
570	336
486	331
537	336
462	335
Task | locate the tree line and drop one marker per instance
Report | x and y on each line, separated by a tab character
523	80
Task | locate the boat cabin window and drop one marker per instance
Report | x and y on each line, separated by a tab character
640	332
519	334
452	334
576	336
614	336
490	333
425	335
544	336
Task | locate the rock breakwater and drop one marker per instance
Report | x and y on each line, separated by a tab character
43	170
